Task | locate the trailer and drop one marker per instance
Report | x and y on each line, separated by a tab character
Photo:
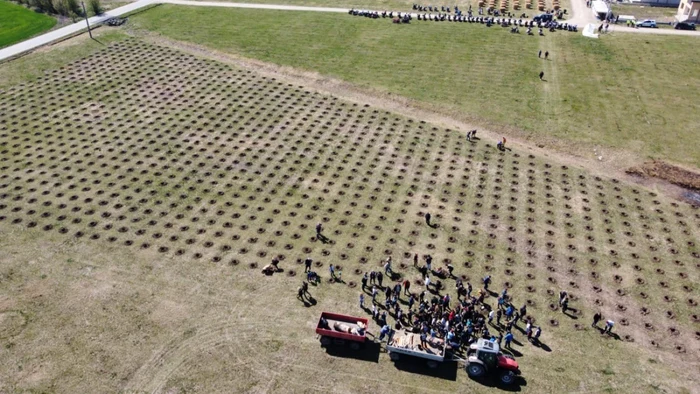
408	343
337	329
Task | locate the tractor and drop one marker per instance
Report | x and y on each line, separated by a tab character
485	357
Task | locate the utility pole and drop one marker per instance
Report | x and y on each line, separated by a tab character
86	18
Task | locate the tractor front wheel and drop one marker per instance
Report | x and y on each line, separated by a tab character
507	377
476	370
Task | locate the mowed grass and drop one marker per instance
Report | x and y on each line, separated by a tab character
400	5
134	201
635	93
18	23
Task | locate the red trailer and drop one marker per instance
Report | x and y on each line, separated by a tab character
334	328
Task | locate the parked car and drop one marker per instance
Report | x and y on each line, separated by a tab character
647	23
544	18
684	26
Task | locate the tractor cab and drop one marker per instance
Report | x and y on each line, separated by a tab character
485	356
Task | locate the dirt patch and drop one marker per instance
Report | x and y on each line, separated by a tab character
668	172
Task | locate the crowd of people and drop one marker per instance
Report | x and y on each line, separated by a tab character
489	18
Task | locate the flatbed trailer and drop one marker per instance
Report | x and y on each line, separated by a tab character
334	328
408	343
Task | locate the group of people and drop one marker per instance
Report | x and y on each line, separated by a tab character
493	19
458	322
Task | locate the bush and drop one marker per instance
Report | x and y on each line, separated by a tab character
95	7
70	8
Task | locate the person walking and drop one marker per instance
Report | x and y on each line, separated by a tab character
380	278
541	75
374	294
487	281
499	315
427	282
387	266
332	271
491	315
415	260
596	319
523	311
307	264
319	229
538	331
546	55
406	287
565	305
427	218
539	54
365	277
362	300
384	332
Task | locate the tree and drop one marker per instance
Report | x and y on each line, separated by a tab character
95	7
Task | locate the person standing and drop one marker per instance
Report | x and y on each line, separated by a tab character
539	54
491	315
364	281
541	75
307	264
406	287
319	229
546	55
374	294
565	305
332	271
362	300
415	260
380	278
538	331
427	282
596	319
387	266
499	314
427	218
509	339
372	277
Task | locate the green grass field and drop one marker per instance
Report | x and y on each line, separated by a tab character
398	5
598	93
18	23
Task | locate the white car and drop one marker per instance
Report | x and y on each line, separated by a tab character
647	23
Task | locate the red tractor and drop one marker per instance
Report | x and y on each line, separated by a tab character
485	357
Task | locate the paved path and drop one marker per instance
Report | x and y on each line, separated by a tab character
581	16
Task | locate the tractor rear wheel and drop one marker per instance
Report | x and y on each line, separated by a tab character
507	377
476	370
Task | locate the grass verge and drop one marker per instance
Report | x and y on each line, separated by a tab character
18	23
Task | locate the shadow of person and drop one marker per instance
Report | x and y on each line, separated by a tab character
570	315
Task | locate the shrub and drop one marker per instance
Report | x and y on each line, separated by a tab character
95	7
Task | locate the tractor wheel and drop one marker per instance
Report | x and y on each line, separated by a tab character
354	346
394	356
476	370
507	377
325	341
